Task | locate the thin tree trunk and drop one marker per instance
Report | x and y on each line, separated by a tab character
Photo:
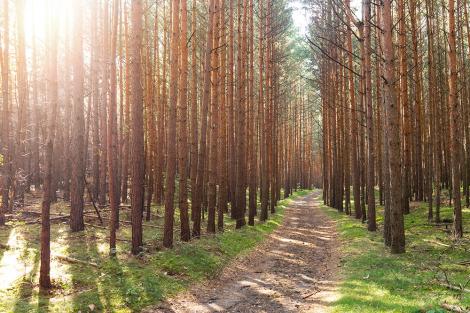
204	112
77	186
371	219
172	112
396	213
454	124
214	119
113	137
137	126
52	95
222	157
183	130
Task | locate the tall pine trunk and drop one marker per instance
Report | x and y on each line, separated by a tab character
137	126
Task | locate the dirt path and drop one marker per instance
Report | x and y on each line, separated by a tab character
292	271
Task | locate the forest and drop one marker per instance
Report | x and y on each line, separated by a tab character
234	156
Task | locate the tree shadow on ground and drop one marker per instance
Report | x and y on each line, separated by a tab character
84	278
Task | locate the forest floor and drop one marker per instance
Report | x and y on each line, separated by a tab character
103	284
294	270
434	272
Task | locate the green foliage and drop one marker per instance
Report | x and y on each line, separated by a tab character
373	280
125	283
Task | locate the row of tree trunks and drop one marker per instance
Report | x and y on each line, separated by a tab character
419	146
157	105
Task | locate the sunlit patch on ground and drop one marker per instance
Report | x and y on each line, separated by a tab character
377	281
14	262
125	284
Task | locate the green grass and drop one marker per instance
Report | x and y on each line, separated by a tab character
124	284
373	280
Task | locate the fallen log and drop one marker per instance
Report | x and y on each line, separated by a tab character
53	219
57	218
73	260
30	212
96	226
457	288
454	308
125	222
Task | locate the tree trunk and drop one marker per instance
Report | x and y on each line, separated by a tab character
77	185
183	130
52	97
172	110
454	124
222	157
371	219
137	126
204	112
114	198
396	212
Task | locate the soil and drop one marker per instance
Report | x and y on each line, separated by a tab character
294	270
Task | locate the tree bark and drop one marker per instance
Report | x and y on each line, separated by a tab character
396	212
183	130
52	96
137	126
77	186
454	124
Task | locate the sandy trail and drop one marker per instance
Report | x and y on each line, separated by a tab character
292	271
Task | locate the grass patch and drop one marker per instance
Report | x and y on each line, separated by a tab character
376	281
123	284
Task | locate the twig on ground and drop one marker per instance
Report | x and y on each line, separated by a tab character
73	260
454	308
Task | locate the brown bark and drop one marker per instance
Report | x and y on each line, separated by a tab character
396	212
77	186
194	113
222	141
127	131
252	138
137	126
264	189
454	124
353	127
172	112
105	75
114	198
52	96
371	218
240	188
214	128
182	127
231	110
403	87
204	112
95	98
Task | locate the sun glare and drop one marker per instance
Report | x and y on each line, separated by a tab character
38	14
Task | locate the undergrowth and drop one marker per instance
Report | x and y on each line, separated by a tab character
374	280
123	284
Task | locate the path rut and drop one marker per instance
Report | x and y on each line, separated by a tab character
292	271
